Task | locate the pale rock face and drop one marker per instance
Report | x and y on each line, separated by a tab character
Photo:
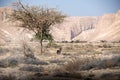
74	26
106	27
103	27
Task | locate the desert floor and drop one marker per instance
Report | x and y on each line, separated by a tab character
77	61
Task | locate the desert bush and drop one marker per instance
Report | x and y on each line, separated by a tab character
7	77
76	64
9	62
12	63
73	65
110	76
68	75
3	64
32	68
27	51
89	65
12	60
102	64
3	50
56	61
34	61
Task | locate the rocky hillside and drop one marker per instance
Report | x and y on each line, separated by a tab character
73	27
106	27
8	31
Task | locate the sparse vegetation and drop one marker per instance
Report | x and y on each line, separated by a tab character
36	19
27	51
31	68
72	65
53	45
70	57
77	61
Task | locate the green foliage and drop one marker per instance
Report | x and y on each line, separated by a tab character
46	36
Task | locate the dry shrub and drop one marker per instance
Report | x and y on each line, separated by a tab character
76	64
27	51
32	68
110	76
34	61
7	77
13	63
3	51
101	64
3	64
73	65
68	75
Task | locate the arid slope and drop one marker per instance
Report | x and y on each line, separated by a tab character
106	27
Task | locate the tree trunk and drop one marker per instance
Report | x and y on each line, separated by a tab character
41	46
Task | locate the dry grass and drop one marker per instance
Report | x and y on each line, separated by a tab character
72	65
75	57
92	62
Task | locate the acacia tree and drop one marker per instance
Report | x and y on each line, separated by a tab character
37	19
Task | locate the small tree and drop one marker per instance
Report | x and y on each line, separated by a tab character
37	19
